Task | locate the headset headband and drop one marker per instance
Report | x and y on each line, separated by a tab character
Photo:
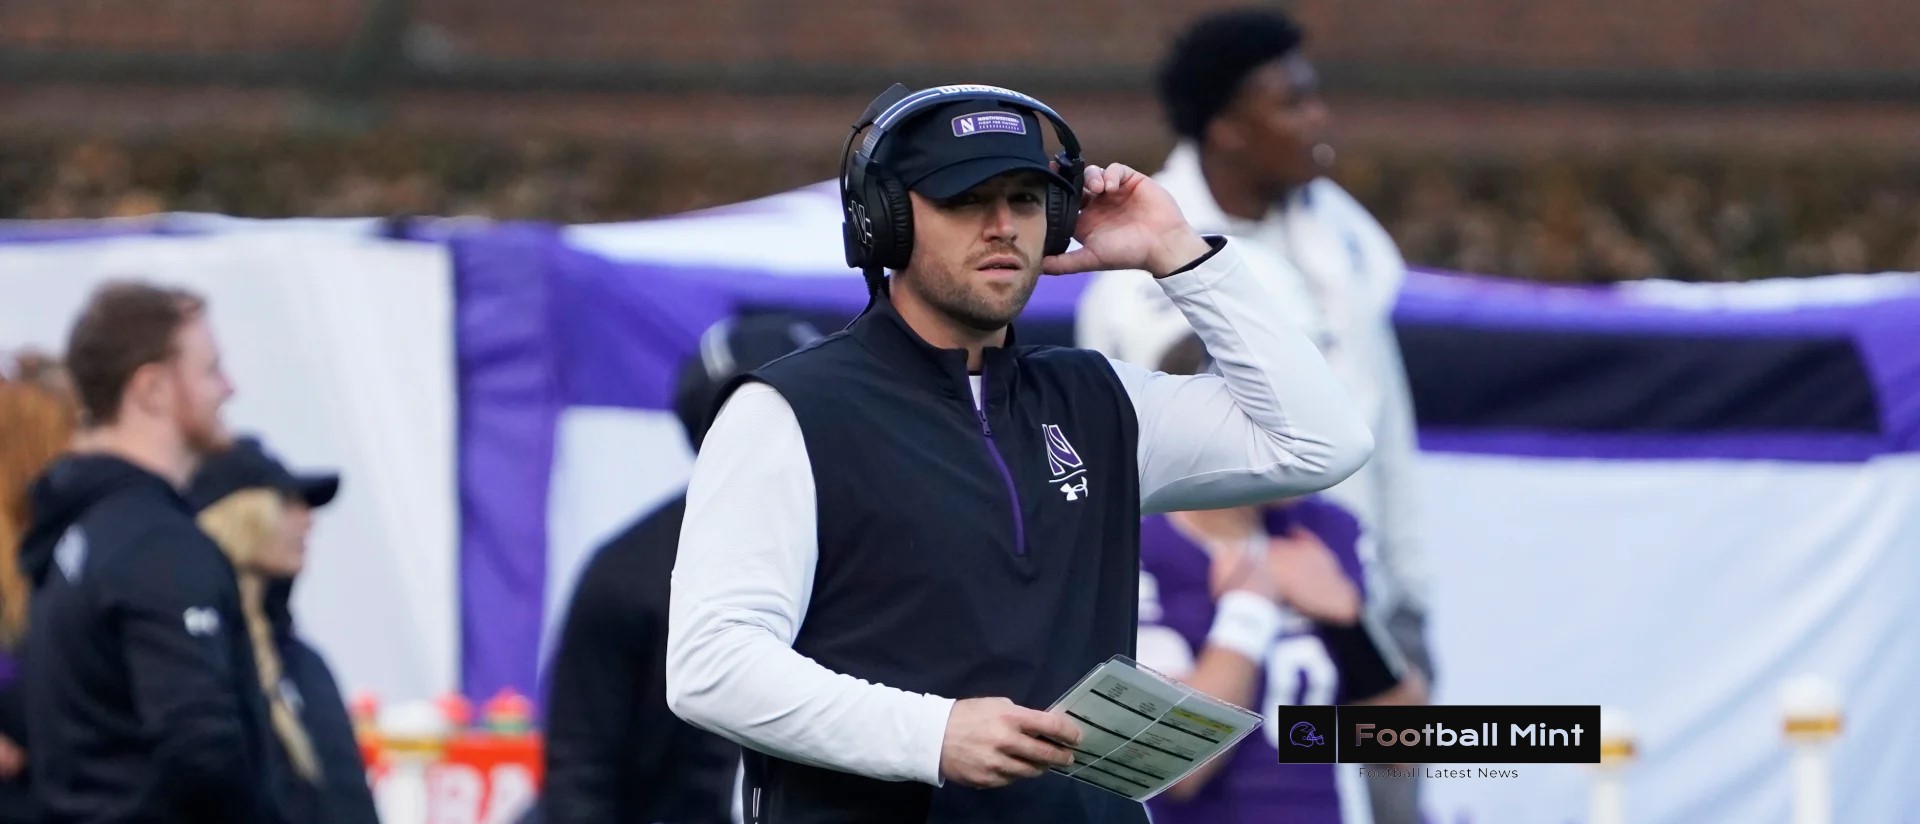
869	213
928	98
897	104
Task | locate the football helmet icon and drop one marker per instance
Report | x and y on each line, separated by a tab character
1304	735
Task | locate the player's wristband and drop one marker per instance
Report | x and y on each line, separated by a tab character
1246	624
1368	660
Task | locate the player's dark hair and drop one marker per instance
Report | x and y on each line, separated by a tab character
1211	60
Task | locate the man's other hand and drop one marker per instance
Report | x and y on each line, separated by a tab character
993	742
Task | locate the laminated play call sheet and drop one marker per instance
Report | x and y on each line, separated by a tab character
1140	732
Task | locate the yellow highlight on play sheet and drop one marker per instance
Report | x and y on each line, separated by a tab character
1202	721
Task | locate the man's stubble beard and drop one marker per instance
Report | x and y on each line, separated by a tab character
205	438
968	303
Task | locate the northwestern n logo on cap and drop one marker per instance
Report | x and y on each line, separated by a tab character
983	122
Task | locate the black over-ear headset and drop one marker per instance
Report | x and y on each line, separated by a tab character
878	215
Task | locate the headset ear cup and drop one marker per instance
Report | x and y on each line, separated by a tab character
879	232
1063	213
893	247
856	206
849	238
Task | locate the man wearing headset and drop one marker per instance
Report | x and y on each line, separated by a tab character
902	539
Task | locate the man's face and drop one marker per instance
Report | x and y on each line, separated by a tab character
976	256
1272	126
199	388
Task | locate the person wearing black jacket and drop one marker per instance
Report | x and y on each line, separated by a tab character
615	752
142	701
259	513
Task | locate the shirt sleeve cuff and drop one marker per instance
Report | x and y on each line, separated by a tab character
1204	272
1214	244
930	737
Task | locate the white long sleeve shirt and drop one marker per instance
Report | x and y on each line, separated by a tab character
1339	273
1274	423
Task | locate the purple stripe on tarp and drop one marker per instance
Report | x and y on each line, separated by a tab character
1453	300
1607	446
510	403
1886	332
627	328
9	670
1888	337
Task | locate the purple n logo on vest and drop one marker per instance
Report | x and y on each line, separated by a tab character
1060	455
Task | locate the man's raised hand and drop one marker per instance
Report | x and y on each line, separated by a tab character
1127	221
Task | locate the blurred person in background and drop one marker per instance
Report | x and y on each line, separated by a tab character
1262	606
142	699
260	514
614	750
902	542
35	427
38	368
1251	163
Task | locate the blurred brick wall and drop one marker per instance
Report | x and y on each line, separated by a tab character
847	32
694	149
1778	35
191	27
1784	35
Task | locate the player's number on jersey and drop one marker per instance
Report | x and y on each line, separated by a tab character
1299	673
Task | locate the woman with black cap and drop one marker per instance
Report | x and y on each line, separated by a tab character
259	514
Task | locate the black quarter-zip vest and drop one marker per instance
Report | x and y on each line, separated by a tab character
962	553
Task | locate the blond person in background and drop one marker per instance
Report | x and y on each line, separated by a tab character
259	513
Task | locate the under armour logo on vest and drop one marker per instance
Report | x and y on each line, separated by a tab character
1065	464
201	621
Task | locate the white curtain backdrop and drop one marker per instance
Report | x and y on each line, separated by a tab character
341	350
1686	593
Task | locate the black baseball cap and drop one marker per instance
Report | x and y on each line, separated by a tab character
248	465
949	149
729	348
